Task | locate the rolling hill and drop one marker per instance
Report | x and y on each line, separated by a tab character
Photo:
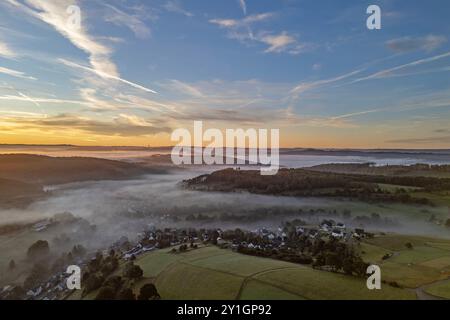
51	170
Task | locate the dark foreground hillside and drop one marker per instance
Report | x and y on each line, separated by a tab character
17	193
49	170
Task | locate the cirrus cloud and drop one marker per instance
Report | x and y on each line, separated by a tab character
406	44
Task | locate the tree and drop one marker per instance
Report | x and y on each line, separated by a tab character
409	245
348	266
93	282
110	264
12	265
38	274
126	294
114	282
106	293
447	223
38	250
149	292
78	251
132	271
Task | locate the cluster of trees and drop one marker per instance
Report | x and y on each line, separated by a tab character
98	276
117	288
332	254
301	182
120	287
65	259
277	254
98	269
44	264
372	169
338	257
185	247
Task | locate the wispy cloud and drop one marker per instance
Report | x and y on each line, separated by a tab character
282	42
242	30
245	22
394	71
406	44
37	100
105	75
243	6
54	13
15	73
186	88
6	51
175	7
132	21
359	113
306	86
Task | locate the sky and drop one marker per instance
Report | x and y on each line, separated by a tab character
135	70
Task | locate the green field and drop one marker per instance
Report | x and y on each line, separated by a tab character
213	273
371	253
320	285
426	263
441	289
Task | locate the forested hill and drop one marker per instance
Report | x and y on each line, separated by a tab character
416	170
302	182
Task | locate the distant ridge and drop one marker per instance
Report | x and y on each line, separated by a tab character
291	150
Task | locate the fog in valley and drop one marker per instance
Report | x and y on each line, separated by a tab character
125	208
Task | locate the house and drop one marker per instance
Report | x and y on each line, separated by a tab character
313	233
271	236
147	249
35	293
299	230
359	233
41	226
326	225
340	225
337	233
263	232
7	289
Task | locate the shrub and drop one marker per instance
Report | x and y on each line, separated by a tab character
115	282
149	292
126	294
132	271
106	293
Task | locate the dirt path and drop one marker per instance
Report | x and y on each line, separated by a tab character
423	295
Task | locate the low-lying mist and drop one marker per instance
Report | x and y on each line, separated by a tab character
127	207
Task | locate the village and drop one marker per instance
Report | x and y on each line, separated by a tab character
293	241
